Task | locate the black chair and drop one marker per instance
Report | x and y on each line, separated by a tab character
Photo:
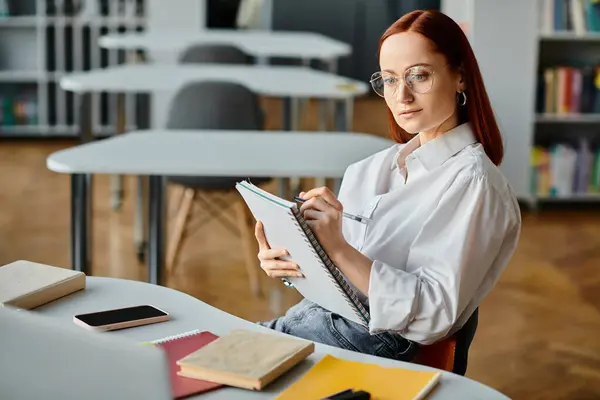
223	106
215	53
464	338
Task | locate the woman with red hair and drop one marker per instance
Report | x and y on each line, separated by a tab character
444	222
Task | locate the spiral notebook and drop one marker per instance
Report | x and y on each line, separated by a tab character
323	282
179	346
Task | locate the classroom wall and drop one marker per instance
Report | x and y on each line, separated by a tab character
358	22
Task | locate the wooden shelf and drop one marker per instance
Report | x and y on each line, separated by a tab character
571	36
25	21
591	197
19	76
568	118
96	21
38	45
35	130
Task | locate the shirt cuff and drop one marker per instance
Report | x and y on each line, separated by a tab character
393	296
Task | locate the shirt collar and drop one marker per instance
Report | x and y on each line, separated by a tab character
437	151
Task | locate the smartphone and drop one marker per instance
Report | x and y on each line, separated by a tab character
120	318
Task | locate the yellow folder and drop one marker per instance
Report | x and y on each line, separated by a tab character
332	375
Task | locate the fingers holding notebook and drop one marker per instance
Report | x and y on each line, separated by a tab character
273	261
326	194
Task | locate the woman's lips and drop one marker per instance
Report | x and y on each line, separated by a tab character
409	113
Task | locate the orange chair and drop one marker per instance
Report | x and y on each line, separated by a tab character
450	354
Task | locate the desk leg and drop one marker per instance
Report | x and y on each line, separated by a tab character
327	107
336	184
290	119
344	110
81	222
81	196
343	123
86	133
139	234
287	125
143	120
156	229
119	121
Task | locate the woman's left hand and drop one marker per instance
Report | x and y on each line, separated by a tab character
323	213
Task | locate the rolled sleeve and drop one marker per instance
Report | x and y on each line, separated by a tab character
447	262
393	296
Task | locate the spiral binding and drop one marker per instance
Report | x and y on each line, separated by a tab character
336	276
175	337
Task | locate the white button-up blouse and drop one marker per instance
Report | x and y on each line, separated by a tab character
444	225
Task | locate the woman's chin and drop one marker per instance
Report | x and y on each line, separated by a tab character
411	127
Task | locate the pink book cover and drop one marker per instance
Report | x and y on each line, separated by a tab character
176	349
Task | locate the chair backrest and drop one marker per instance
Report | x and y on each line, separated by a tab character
215	105
451	354
215	53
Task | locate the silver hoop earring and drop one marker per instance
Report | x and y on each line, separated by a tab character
464	99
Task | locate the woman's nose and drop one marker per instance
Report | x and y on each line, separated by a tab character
403	93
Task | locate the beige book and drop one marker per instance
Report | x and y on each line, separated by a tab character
25	284
245	359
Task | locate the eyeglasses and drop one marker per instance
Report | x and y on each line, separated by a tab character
419	79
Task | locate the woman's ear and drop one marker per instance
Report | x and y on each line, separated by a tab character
461	83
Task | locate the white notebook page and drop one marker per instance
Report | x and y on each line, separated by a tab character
283	230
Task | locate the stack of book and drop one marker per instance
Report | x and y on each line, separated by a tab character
579	16
569	90
563	170
18	111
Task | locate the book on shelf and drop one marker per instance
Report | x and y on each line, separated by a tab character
566	90
565	170
578	16
15	111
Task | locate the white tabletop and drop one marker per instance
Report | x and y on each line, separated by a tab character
277	81
220	153
189	313
258	43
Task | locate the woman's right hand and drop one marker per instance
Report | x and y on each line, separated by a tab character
268	257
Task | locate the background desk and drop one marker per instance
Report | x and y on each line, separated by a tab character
189	313
199	153
288	82
168	45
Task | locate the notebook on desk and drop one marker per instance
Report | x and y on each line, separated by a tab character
333	375
285	227
179	346
246	359
27	285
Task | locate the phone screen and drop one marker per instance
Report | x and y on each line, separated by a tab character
122	315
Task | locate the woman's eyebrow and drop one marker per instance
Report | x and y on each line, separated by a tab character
410	66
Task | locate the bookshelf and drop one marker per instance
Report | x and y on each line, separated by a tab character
552	141
565	153
40	41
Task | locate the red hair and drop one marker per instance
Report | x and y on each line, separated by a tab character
449	39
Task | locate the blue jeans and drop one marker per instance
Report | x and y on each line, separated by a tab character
310	321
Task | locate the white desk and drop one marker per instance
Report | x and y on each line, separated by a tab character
188	314
171	44
199	153
288	82
275	81
163	82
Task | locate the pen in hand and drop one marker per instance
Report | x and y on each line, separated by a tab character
358	218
